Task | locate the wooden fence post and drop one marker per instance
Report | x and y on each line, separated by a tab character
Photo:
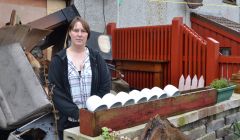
110	28
212	67
175	49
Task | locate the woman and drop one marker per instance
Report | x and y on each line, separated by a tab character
75	74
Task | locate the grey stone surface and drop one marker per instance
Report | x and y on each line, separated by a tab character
209	136
130	13
3	122
223	131
215	124
73	133
193	125
231	137
94	12
222	115
21	94
233	118
148	12
218	8
196	132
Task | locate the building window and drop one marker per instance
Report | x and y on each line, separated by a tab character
225	51
230	2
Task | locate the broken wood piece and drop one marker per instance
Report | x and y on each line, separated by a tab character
33	61
161	129
13	18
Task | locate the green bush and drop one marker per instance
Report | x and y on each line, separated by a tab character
219	83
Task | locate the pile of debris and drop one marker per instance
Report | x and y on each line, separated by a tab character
23	72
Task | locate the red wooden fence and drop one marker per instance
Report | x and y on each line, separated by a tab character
147	44
208	27
185	51
191	52
228	65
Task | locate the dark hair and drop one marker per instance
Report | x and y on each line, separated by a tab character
84	24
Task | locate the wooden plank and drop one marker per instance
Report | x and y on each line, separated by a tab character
88	124
139	66
146	73
129	116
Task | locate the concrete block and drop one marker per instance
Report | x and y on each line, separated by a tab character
132	133
221	132
215	124
196	133
193	125
222	114
209	136
233	118
231	137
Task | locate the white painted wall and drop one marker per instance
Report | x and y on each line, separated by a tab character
148	12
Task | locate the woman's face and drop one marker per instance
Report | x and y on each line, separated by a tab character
78	35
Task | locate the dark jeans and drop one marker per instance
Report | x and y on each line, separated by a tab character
69	124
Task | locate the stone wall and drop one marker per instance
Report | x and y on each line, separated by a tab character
209	123
212	122
213	127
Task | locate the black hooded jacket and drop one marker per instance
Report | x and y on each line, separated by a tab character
58	78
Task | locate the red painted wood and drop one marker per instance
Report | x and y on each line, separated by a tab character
129	116
214	28
228	65
225	38
229	59
148	43
179	44
162	43
165	53
181	50
199	59
110	28
176	23
190	61
212	60
136	44
204	60
182	46
141	39
186	52
194	56
87	123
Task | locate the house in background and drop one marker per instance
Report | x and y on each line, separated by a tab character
130	13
